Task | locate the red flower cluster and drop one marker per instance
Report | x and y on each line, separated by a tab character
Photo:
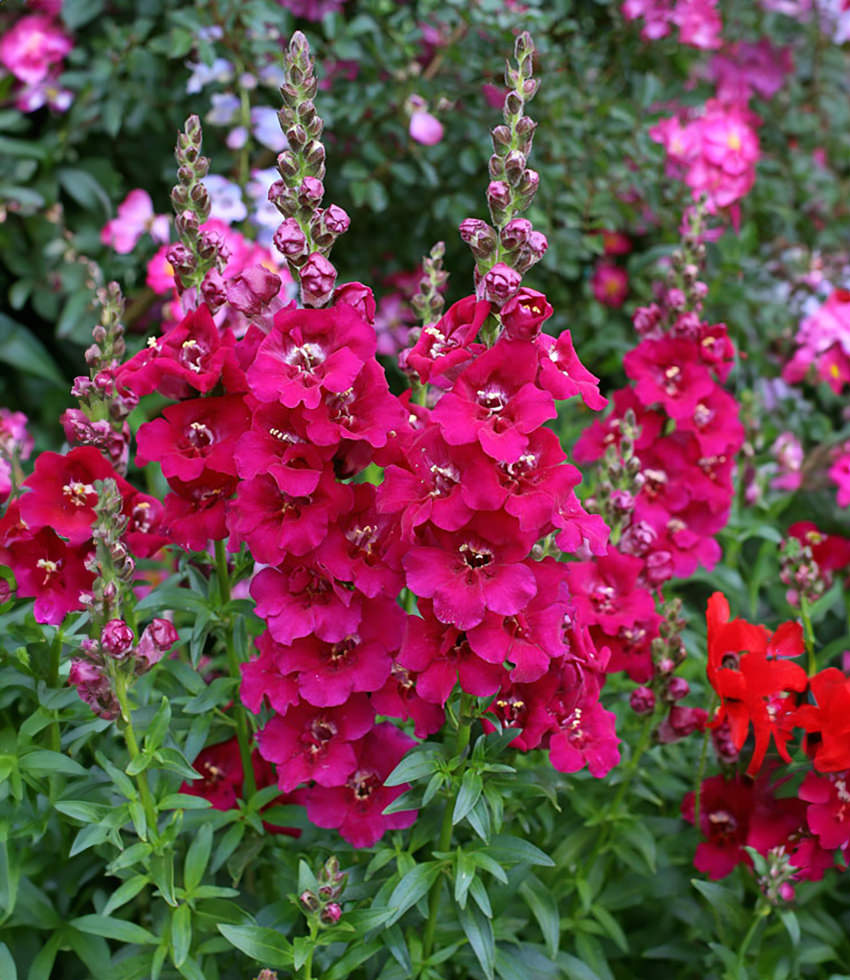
678	432
46	534
760	687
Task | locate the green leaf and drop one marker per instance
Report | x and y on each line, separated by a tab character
415	765
470	791
197	858
8	970
611	926
721	898
789	920
83	188
80	810
264	945
76	13
43	762
158	728
181	934
89	836
41	967
575	969
482	899
464	874
183	801
162	873
358	953
110	928
545	910
514	850
301	949
479	932
413	886
125	893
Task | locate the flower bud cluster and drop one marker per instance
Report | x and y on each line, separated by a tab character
665	459
101	419
322	905
199	251
505	250
428	303
308	231
800	572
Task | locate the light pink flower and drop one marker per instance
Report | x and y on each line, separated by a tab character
425	128
135	217
32	46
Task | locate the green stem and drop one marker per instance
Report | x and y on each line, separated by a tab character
760	913
133	748
53	682
243	731
461	741
808	635
702	760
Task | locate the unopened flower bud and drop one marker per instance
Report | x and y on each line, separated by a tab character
501	137
289	239
331	914
678	688
515	233
309	902
498	195
515	163
318	277
642	700
287	164
336	220
117	638
500	284
310	193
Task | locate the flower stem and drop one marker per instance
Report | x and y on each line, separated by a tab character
760	912
808	635
461	741
133	748
243	731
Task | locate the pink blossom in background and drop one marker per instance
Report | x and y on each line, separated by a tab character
839	473
789	458
424	128
15	441
135	218
610	284
698	21
494	95
824	344
744	68
715	153
47	92
32	47
312	9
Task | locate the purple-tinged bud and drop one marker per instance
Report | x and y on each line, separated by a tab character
266	974
179	198
310	193
212	244
276	192
186	223
287	164
331	914
336	220
513	105
84	672
358	296
180	258
678	688
480	237
642	701
501	138
496	167
252	290
290	240
525	127
676	299
214	290
529	88
77	426
523	47
117	639
498	195
297	136
318	277
515	233
538	243
515	163
314	154
500	284
309	902
158	637
528	184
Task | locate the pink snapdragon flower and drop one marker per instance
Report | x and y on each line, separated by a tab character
742	69
698	21
135	218
824	344
32	47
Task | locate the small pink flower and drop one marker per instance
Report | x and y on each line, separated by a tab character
32	46
610	284
135	217
425	128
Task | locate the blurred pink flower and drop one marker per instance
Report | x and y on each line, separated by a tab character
32	46
135	217
610	284
424	128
